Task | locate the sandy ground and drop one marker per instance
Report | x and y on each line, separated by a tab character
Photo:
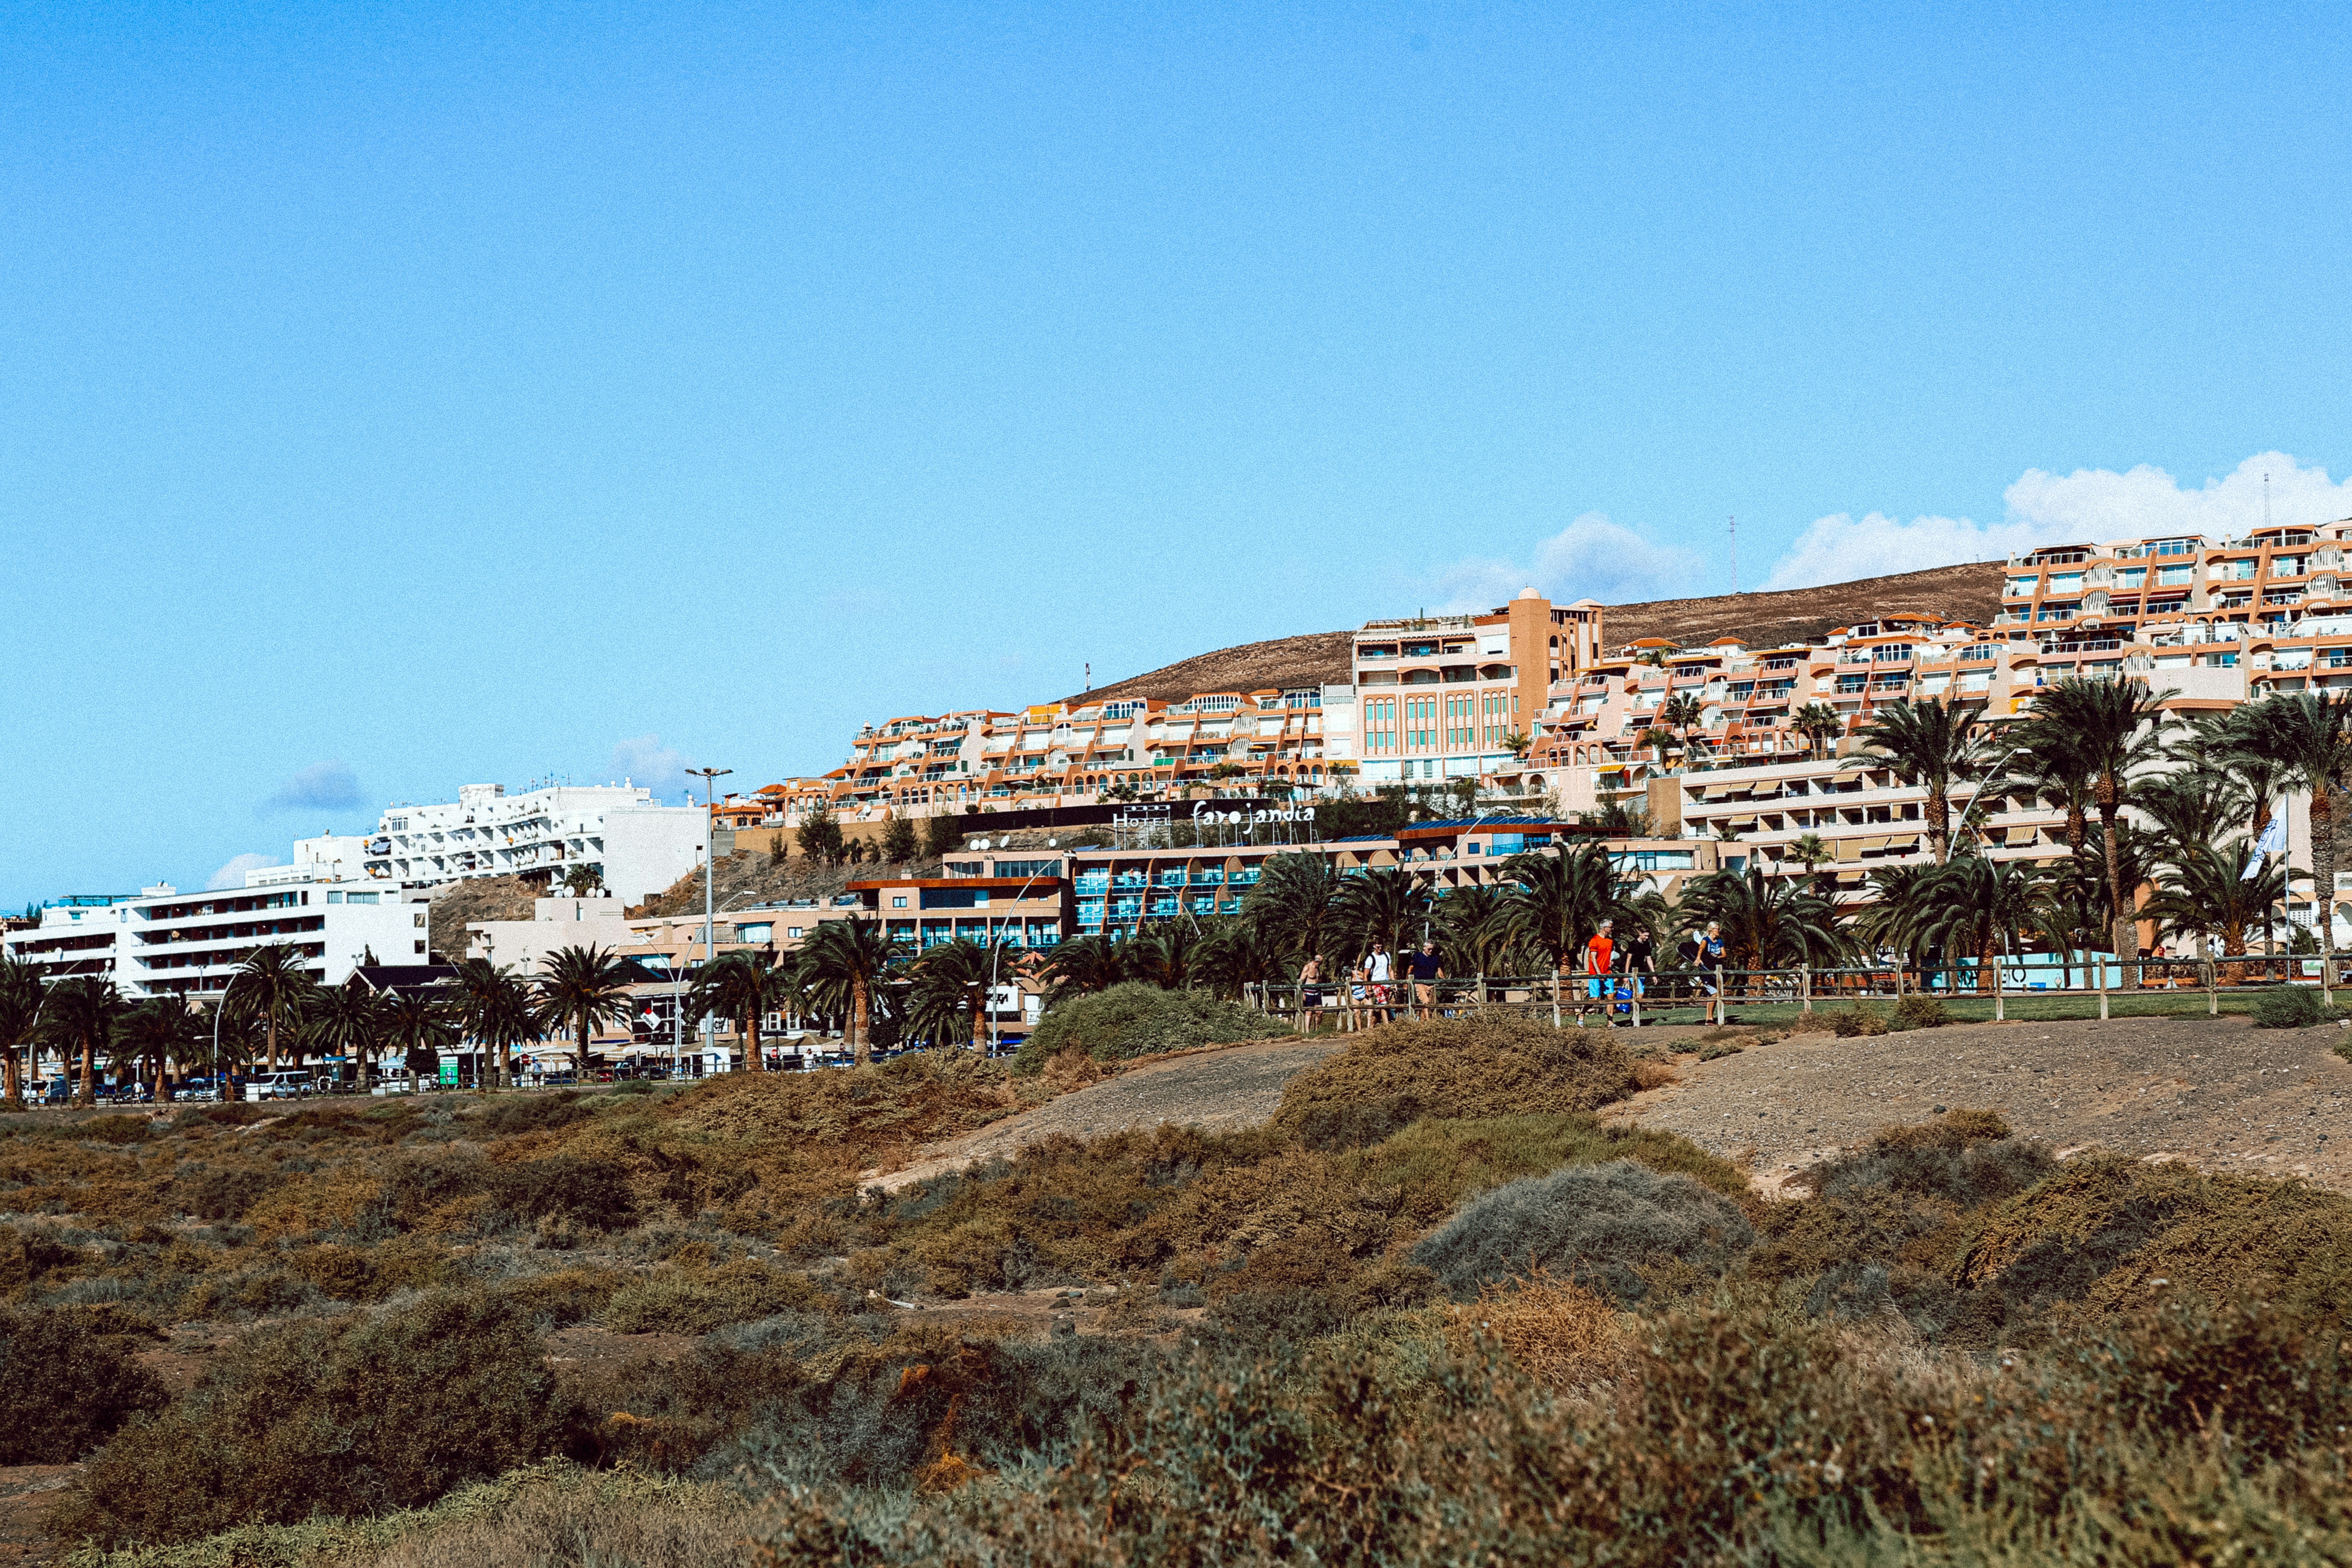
2217	1092
1222	1089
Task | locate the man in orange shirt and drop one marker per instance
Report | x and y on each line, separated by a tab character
1597	956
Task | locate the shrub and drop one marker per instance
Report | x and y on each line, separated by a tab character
1136	1020
697	1301
67	1383
222	1193
1715	1050
1559	1333
1616	1228
592	1192
2117	1232
341	1418
1862	1018
1494	1066
2289	1007
508	1115
1921	1012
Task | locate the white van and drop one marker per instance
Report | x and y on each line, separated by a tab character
293	1084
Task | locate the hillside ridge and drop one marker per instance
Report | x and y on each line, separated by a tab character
1970	591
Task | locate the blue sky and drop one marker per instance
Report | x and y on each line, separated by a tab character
403	396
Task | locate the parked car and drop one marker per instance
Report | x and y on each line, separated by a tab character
291	1084
59	1091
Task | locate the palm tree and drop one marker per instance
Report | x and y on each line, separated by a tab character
151	1034
1078	967
1896	916
1389	904
844	961
2309	738
2214	892
1557	901
416	1026
2110	727
1238	957
1768	922
947	1002
1161	954
743	987
1817	722
1809	852
20	1013
1476	931
494	1008
583	986
274	983
1682	713
81	1014
582	880
2193	810
344	1020
1981	907
1929	745
1297	902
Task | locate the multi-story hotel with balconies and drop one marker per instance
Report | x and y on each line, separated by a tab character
636	846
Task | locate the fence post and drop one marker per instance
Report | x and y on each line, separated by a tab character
1555	995
1719	1014
2213	988
1634	985
1805	988
2101	961
1998	1016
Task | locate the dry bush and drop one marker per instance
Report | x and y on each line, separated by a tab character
1654	1075
556	1516
345	1416
1619	1227
1862	1018
695	1301
68	1381
1138	1019
1560	1333
1813	1023
1490	1065
857	1116
2107	1229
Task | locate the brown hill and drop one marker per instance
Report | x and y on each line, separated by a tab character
1969	592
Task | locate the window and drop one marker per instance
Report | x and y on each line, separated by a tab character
760	933
1461	722
1381	724
420	945
419	921
1421	723
898	900
1026	869
2168	576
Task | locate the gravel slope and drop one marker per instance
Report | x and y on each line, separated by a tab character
2217	1092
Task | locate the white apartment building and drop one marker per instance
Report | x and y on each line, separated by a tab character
555	924
637	846
164	942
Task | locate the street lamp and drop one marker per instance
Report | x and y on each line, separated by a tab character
709	866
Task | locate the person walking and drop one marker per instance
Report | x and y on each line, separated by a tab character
1710	951
1379	971
1428	969
1310	993
1598	954
1641	965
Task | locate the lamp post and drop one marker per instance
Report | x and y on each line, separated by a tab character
709	865
988	997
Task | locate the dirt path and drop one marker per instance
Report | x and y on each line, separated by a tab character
1239	1085
2217	1092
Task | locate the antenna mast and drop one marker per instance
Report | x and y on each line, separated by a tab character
2266	502
1735	554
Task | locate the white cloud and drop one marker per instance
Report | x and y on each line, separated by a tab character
1590	558
2099	503
2087	505
233	874
645	761
1840	547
